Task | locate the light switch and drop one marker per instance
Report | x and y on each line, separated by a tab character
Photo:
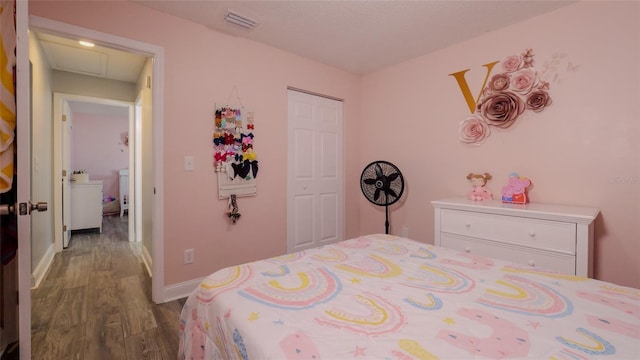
189	163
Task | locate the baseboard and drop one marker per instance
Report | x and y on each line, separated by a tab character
147	260
180	290
43	267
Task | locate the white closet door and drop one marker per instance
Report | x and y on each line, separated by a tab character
315	202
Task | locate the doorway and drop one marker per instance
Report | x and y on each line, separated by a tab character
65	106
153	185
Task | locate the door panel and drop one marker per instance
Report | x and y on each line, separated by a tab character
303	208
314	172
23	183
328	221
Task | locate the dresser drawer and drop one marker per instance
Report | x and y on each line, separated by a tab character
534	233
533	258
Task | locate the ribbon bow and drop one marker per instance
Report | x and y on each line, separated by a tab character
242	169
221	156
249	155
229	139
246	147
249	126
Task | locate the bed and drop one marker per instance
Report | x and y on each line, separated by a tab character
387	297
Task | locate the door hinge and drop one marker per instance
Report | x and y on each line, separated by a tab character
64	228
64	117
64	173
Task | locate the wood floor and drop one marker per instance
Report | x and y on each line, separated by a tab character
95	303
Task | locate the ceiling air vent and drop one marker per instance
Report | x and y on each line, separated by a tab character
240	20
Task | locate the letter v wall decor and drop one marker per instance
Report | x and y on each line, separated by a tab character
505	96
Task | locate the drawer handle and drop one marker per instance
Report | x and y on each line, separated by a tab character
467	225
532	234
468	249
532	263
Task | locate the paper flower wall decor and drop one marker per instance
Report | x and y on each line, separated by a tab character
507	95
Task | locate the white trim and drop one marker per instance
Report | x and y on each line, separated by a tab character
43	267
147	260
157	250
157	52
181	290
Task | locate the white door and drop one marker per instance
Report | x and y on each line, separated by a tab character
65	127
315	202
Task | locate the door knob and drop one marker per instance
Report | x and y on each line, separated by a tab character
26	209
40	206
6	209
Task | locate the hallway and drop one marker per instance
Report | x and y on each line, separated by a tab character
95	303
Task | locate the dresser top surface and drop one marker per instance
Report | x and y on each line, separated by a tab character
85	183
532	210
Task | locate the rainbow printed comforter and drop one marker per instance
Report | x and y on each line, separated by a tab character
386	297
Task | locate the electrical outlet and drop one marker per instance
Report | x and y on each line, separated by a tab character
189	163
188	256
405	232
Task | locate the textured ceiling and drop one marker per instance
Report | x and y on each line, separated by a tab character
359	36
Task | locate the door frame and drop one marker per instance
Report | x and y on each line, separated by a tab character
157	91
23	22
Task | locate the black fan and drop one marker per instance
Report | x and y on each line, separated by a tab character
382	184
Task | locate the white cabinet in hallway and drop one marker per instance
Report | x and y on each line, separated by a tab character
86	205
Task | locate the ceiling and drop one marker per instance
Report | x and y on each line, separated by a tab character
68	55
359	36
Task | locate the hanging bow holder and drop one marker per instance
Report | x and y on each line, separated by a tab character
234	157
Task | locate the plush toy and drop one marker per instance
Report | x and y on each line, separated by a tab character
516	190
479	191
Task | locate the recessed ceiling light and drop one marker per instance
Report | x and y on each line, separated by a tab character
86	43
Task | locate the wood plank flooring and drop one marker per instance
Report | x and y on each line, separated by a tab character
95	303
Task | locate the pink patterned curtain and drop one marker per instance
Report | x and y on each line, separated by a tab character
7	93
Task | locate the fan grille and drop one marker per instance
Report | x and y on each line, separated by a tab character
382	183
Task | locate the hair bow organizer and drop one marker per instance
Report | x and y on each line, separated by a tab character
234	158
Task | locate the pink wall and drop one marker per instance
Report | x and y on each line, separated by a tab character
97	147
201	68
582	150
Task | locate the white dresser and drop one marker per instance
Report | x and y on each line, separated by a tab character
86	205
546	236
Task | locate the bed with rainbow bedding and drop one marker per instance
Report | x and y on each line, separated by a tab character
387	297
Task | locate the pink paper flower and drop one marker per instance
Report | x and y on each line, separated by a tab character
499	82
538	100
527	58
501	109
523	80
512	63
473	130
